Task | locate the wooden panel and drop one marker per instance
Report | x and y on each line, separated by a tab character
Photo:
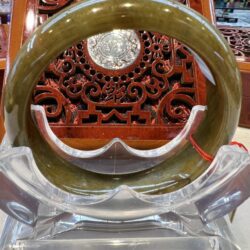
16	29
205	7
245	111
239	40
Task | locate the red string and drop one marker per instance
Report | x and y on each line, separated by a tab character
207	156
200	151
239	145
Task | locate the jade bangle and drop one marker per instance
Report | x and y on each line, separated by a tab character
88	18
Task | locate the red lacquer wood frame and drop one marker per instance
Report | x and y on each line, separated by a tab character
239	40
205	7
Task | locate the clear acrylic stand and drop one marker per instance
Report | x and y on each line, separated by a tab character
128	159
42	216
185	219
157	232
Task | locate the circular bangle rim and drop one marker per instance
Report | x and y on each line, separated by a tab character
79	22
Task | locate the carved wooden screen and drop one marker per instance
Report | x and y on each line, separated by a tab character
150	99
3	42
239	40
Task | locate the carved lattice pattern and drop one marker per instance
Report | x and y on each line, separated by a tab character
239	41
159	89
153	97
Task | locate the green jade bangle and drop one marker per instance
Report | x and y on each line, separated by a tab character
88	18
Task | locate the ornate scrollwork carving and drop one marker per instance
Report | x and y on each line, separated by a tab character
160	88
239	41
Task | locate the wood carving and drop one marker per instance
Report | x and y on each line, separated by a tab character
3	42
150	99
196	5
239	41
158	90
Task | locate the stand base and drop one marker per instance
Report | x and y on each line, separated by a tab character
180	243
152	233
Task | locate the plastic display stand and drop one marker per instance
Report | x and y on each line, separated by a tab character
158	232
42	216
